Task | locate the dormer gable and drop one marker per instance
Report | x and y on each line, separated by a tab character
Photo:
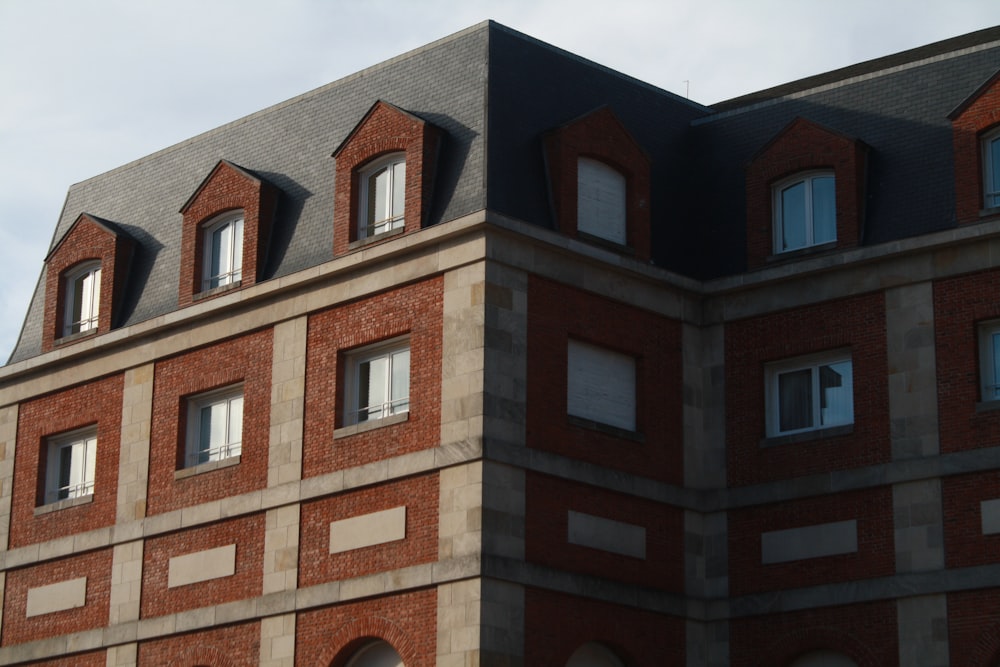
228	195
85	277
384	177
805	193
975	125
595	153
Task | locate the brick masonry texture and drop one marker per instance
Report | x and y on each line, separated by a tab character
414	311
548	501
419	494
875	556
247	533
557	624
330	636
980	115
246	359
960	305
866	633
98	403
557	313
973	634
964	542
857	324
230	646
95	566
92	659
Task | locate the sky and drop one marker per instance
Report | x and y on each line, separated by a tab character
89	85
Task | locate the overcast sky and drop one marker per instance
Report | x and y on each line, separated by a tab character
88	85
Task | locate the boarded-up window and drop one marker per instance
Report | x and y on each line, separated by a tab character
601	385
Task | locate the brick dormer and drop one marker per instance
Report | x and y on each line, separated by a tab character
228	192
975	125
804	152
91	246
385	138
599	137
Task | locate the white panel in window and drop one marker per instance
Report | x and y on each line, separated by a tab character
71	464
215	426
600	201
810	393
383	196
82	293
991	169
600	385
223	249
378	381
805	212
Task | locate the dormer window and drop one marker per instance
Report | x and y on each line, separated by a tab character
991	169
600	201
223	244
805	212
83	298
383	196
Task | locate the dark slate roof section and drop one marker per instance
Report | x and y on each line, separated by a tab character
288	145
901	114
535	87
971	40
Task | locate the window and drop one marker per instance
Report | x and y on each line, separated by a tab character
810	394
600	385
215	426
593	655
83	299
383	195
70	465
376	654
378	382
989	360
600	201
991	169
824	659
223	244
805	212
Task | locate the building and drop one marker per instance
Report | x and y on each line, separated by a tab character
489	355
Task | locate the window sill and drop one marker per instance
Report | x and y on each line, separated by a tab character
606	429
63	504
807	436
987	406
216	290
989	212
381	236
345	431
802	252
203	468
72	338
605	243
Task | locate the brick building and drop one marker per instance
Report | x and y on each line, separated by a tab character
489	355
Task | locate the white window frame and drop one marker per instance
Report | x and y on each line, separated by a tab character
808	179
394	202
357	409
601	385
230	401
989	360
991	169
230	254
82	310
813	363
601	202
78	480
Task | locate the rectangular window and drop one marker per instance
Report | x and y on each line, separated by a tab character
989	360
805	212
83	299
70	465
600	385
810	394
991	169
378	381
600	201
215	426
223	263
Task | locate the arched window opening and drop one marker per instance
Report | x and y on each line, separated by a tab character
593	654
376	654
823	659
383	196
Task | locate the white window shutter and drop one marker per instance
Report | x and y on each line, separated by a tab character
600	201
601	385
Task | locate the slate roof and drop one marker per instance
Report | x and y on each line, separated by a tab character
495	92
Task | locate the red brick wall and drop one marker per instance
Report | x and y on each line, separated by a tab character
959	305
420	496
100	403
93	659
95	566
556	625
866	633
557	313
226	189
857	323
408	622
246	359
415	310
548	499
875	557
804	146
384	129
247	533
600	135
964	544
86	240
230	646
978	118
973	627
